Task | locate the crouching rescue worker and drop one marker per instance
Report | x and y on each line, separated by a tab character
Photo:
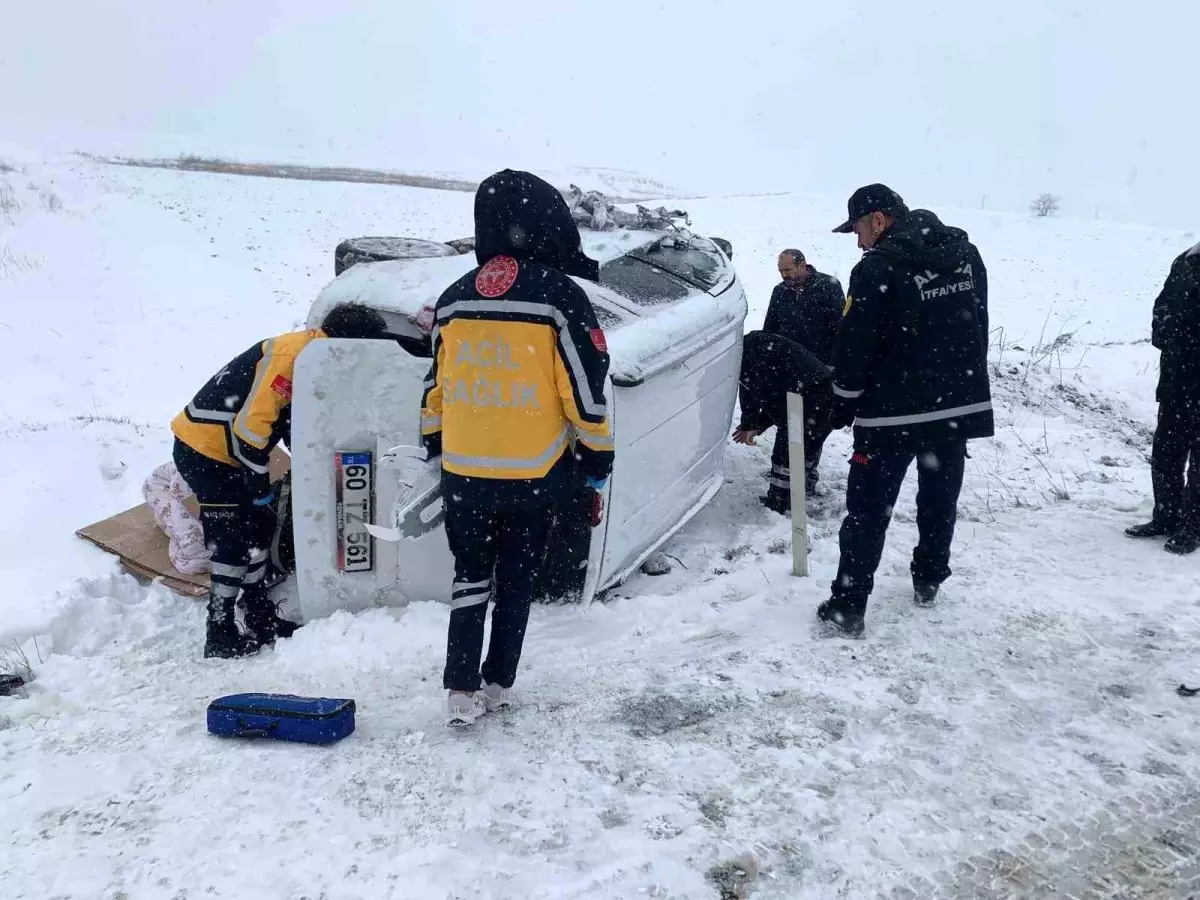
793	353
514	405
910	373
223	442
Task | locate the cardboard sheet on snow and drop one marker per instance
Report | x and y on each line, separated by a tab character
142	547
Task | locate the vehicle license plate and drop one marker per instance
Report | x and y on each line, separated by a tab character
355	489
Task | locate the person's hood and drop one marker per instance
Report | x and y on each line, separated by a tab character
520	215
922	238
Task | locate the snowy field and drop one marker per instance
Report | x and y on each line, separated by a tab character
1024	735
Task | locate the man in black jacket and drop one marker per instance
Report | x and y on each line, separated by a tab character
910	373
792	353
1175	331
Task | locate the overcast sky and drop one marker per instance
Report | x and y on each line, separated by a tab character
948	102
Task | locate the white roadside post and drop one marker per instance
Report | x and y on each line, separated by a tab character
795	419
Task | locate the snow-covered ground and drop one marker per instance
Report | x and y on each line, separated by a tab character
692	719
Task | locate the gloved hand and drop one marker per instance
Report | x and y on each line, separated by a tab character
596	515
597	485
433	445
841	413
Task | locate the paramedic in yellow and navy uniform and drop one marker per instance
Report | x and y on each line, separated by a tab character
513	403
223	442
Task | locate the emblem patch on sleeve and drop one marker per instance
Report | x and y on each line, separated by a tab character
598	339
282	386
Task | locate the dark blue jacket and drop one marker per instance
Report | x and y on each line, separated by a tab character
809	316
1175	328
911	355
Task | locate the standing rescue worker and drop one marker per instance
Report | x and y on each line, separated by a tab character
1175	331
793	353
223	443
910	373
515	406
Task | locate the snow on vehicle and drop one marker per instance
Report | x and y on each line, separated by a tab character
367	510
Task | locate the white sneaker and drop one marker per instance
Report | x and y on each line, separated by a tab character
495	697
464	709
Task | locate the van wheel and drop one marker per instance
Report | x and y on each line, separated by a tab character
352	251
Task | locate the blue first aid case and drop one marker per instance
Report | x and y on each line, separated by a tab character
281	717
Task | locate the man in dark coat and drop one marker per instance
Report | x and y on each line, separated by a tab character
1175	331
910	373
792	353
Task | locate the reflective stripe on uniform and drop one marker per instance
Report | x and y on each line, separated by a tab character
240	422
473	594
470	600
224	570
242	458
222	417
845	394
501	462
209	415
920	418
597	443
258	566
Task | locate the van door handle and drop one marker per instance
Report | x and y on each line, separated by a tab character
627	381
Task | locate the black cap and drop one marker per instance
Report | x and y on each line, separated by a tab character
869	199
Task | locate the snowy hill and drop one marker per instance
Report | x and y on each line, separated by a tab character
1025	731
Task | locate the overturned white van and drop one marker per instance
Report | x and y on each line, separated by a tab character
365	503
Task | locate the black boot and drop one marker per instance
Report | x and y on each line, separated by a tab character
924	595
845	618
260	618
222	638
1150	529
778	500
263	619
1184	541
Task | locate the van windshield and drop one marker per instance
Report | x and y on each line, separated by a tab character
692	259
641	282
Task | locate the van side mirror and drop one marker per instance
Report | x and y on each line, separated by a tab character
726	247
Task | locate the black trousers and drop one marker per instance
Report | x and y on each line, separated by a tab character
498	544
1176	450
816	431
773	367
871	492
238	532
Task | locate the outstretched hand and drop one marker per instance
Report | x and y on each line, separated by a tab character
746	436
